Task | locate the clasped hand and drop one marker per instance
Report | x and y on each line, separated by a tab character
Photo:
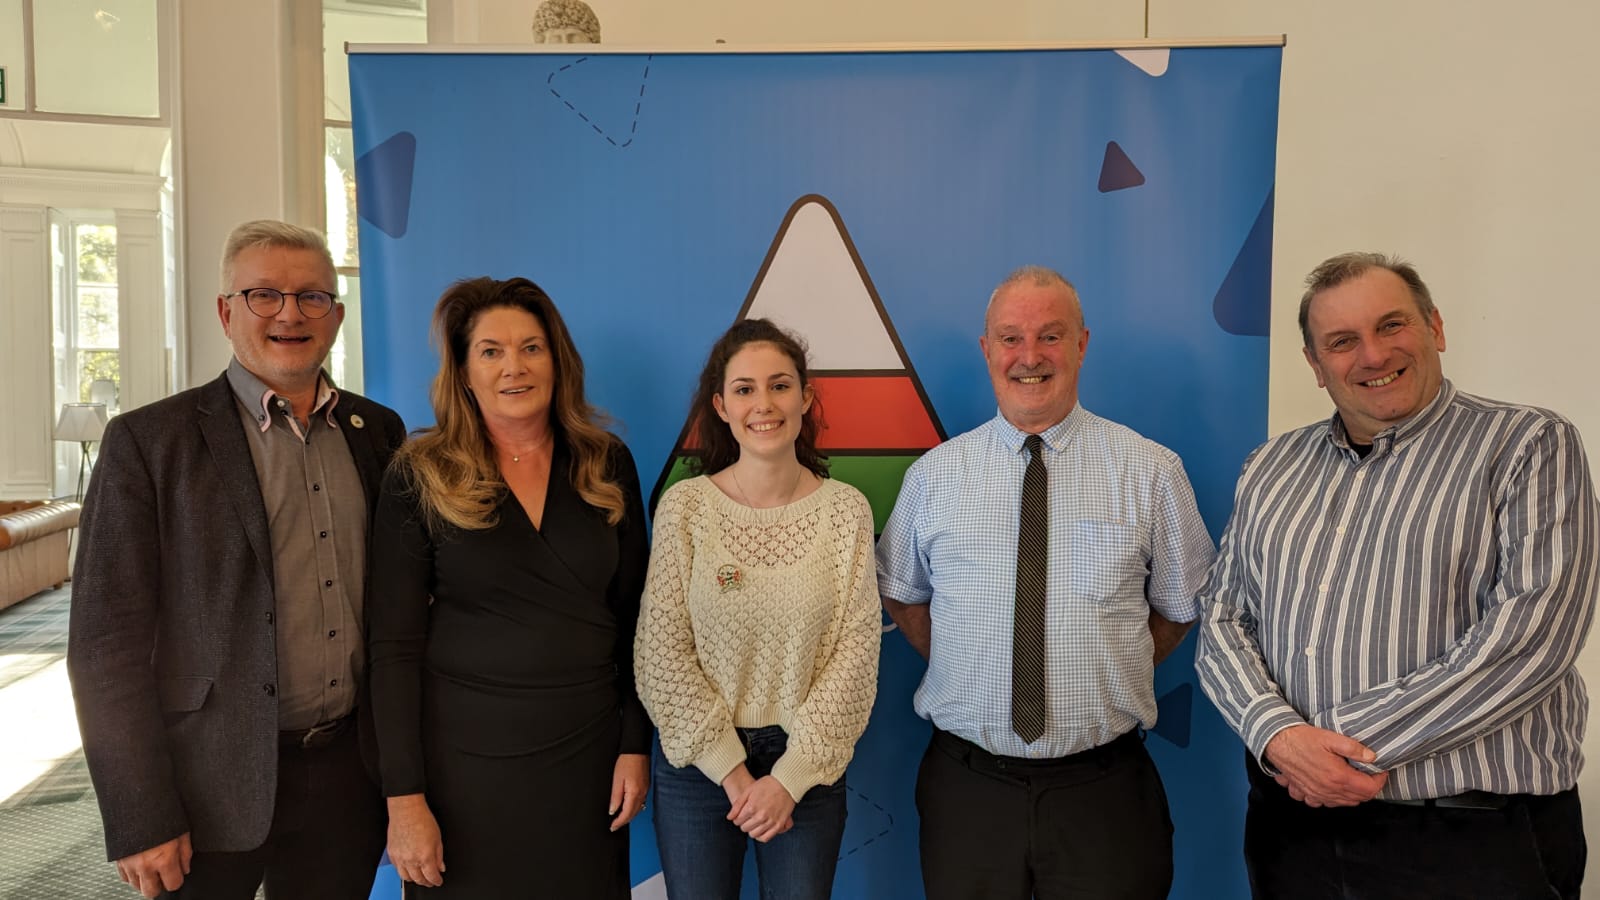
761	807
1314	766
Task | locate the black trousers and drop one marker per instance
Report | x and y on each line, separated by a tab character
328	832
1094	824
1531	847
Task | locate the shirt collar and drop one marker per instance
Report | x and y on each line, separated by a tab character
1056	437
257	397
1401	433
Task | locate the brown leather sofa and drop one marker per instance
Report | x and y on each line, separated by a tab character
35	547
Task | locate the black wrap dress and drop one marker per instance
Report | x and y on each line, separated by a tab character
507	699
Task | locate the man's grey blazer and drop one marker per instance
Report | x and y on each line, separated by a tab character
171	643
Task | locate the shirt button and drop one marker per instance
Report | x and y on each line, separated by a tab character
316	487
1339	530
282	403
1311	651
325	534
328	583
269	618
333	683
1322	589
1360	474
332	633
271	690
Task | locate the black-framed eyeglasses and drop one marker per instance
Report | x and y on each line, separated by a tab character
265	302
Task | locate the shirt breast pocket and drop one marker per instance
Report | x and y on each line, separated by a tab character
1106	563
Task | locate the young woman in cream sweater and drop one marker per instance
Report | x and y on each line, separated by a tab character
757	647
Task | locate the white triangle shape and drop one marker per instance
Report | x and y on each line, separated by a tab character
814	289
1151	60
652	888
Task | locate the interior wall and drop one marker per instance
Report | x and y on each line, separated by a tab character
1466	137
821	21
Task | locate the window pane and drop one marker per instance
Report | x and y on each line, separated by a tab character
97	317
401	22
97	254
97	365
96	58
339	173
344	363
11	53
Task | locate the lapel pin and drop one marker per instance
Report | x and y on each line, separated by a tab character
729	578
358	422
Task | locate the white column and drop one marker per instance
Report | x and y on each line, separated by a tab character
231	146
141	306
27	458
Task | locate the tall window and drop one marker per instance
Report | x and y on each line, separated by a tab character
356	22
87	327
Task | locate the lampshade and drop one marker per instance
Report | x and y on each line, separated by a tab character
81	422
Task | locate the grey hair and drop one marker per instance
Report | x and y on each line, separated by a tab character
1337	270
1038	276
565	14
269	233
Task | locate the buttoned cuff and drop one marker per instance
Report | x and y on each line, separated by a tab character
1262	722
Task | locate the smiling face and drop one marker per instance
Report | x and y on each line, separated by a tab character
285	351
1034	342
762	400
509	367
1374	351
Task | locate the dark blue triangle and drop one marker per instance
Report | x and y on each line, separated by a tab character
1243	304
383	184
1118	172
1173	713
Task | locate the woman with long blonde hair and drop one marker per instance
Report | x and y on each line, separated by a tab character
508	557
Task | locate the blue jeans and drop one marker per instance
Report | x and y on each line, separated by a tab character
702	853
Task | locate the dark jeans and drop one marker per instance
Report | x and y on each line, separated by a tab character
702	853
1094	824
328	832
1532	847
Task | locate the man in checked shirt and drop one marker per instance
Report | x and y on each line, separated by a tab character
1393	618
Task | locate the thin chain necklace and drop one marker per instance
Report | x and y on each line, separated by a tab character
799	470
517	457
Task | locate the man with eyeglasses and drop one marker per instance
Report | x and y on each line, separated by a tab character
217	646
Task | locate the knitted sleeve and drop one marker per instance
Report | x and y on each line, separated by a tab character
827	724
696	725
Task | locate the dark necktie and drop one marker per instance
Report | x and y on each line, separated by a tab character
1027	630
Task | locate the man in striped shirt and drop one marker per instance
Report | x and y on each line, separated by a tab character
1393	618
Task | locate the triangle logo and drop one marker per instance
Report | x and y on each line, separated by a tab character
875	414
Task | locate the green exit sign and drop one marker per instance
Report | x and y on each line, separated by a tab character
2	85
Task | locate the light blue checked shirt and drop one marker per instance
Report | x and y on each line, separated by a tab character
1125	538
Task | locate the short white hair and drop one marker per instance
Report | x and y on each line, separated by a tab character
1038	276
269	233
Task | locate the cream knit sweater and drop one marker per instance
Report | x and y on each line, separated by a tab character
757	617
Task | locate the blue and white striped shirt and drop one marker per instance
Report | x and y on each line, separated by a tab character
1125	538
1428	601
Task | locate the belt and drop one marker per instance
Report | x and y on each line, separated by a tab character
1463	800
978	758
316	736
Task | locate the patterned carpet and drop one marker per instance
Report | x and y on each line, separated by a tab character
49	823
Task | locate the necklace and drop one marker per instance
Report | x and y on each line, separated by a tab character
799	470
517	457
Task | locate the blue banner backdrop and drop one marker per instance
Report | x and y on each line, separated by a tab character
870	200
